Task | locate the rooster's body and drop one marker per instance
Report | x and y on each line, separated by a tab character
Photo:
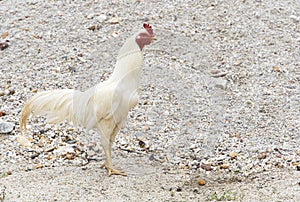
103	107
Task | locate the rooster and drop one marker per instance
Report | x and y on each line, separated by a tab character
103	107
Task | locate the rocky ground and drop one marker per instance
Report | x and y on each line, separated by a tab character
219	111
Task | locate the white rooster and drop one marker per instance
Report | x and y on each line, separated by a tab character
104	106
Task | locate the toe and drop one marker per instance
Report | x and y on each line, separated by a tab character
112	171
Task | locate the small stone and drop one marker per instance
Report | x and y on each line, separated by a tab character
115	34
139	135
152	157
70	156
33	156
221	158
115	20
224	166
142	144
49	149
262	155
201	182
71	141
238	62
41	144
206	167
298	152
90	16
221	83
178	189
276	69
63	150
182	166
123	142
52	156
2	113
92	28
214	71
101	18
295	18
6	127
278	164
217	73
295	163
4	35
233	154
38	166
173	58
9	91
3	46
34	90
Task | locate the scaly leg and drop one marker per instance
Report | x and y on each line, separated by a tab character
107	142
108	165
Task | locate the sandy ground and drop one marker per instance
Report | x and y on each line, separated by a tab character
219	100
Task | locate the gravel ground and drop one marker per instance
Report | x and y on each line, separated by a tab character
219	102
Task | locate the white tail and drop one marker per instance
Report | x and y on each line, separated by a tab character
56	105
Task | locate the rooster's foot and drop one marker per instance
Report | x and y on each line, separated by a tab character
113	171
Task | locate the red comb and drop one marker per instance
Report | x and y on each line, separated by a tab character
148	28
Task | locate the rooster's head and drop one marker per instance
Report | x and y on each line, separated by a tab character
145	36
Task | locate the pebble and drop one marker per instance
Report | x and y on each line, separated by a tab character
90	16
114	20
295	18
276	69
50	149
262	155
101	18
233	154
6	127
3	45
63	150
9	91
224	166
220	83
201	182
4	35
206	167
38	166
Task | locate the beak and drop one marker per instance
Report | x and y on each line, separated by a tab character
153	38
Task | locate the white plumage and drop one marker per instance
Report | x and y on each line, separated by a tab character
104	106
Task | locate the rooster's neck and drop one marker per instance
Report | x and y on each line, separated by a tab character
129	63
128	69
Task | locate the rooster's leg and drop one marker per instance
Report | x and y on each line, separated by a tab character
108	165
107	145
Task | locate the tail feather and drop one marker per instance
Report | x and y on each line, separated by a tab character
57	106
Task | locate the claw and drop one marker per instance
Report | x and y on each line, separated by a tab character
113	171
